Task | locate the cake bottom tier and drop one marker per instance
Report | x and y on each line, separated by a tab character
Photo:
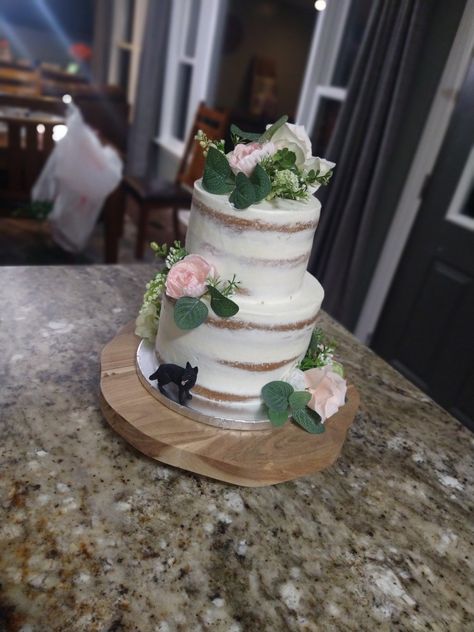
237	356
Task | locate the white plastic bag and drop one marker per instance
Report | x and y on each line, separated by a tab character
72	219
45	187
85	173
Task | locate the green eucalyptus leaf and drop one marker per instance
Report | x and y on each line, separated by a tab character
220	304
299	399
278	417
261	183
309	420
244	193
218	177
189	312
267	134
275	395
236	131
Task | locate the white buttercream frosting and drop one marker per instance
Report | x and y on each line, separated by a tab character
267	247
268	252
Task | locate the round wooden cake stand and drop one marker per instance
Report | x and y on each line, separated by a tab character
242	457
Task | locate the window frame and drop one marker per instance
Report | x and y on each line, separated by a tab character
203	60
321	64
463	189
132	47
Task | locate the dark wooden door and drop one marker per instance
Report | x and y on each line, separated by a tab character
427	325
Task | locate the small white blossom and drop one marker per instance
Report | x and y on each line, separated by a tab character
286	180
146	324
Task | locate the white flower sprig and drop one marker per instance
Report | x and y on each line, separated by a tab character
205	143
276	164
146	325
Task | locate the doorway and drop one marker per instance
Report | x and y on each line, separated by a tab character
425	330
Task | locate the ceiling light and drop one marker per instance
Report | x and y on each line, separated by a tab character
320	5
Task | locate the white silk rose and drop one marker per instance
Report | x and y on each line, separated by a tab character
295	377
295	139
328	391
321	166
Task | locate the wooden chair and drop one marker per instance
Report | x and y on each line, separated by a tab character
160	194
18	79
23	149
55	83
34	103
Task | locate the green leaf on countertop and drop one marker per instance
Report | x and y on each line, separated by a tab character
267	134
218	177
189	312
299	399
278	417
261	183
275	395
244	193
220	304
309	420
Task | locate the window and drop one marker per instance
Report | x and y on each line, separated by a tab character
461	208
191	53
127	34
336	40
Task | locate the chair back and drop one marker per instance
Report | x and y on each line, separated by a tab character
55	83
26	140
18	79
214	124
36	103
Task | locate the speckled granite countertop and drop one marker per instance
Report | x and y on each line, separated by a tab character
96	537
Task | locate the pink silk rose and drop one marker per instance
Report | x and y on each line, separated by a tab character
246	157
328	391
188	277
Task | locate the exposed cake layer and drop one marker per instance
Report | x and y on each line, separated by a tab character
266	245
237	356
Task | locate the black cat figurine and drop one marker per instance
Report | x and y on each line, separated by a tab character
184	379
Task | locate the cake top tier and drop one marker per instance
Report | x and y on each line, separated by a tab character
277	164
266	246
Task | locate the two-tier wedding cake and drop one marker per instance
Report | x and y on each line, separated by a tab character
234	311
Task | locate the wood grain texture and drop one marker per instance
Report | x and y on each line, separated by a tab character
241	457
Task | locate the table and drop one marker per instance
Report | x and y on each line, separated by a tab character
96	537
23	148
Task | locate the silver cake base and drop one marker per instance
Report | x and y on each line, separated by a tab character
206	412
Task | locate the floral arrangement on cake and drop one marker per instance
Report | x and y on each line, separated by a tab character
187	280
311	392
276	163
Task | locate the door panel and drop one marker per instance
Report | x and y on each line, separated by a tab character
430	318
427	326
